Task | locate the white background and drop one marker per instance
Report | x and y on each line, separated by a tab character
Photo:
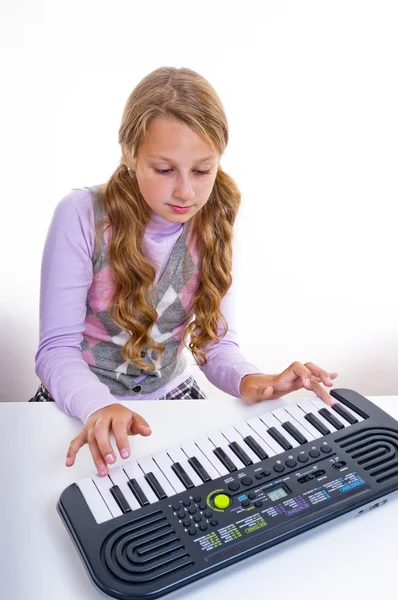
311	94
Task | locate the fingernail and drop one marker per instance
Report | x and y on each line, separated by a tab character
124	453
307	381
102	470
328	380
147	428
68	461
109	458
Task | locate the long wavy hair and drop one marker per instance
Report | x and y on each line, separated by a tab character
184	95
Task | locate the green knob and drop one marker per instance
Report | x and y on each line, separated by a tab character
221	501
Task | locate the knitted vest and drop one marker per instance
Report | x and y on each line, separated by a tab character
172	299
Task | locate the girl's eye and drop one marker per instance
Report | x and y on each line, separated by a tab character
165	171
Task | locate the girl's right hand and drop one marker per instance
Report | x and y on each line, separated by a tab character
116	419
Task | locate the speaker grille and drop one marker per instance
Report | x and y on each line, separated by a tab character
375	450
144	550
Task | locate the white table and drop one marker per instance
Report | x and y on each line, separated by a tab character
353	559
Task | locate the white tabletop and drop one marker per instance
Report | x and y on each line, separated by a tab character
38	561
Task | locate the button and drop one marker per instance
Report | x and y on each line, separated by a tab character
186	523
214	522
259	475
197	518
192	531
176	507
310	476
233	486
246	503
181	514
197	499
202	506
246	481
267	473
251	496
186	502
290	463
221	501
303	458
314	453
338	465
278	468
137	388
258	503
207	514
192	510
326	449
203	526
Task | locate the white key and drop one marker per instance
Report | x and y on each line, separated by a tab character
134	471
261	429
103	484
177	455
283	416
244	430
220	441
164	463
149	466
294	411
205	446
308	407
95	501
119	478
318	403
233	436
191	450
269	420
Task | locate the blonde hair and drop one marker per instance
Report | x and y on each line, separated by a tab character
184	95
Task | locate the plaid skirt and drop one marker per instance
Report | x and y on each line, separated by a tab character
187	390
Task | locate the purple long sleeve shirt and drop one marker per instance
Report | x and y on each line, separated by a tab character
66	276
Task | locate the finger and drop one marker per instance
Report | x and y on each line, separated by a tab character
120	429
101	434
325	377
98	458
138	425
75	446
322	393
267	393
299	370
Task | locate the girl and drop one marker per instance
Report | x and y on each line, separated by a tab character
134	267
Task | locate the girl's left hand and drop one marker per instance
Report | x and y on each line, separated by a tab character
257	387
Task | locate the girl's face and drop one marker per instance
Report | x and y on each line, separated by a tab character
175	170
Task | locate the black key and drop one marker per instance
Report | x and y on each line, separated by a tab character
137	491
315	422
199	469
240	453
345	414
331	418
226	461
255	446
294	432
120	499
182	475
155	485
278	437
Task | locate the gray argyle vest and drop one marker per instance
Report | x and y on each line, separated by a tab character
172	298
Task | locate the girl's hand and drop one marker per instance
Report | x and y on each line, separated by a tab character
119	420
257	387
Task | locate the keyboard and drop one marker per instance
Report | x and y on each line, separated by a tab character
159	523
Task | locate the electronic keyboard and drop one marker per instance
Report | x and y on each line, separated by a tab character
156	524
